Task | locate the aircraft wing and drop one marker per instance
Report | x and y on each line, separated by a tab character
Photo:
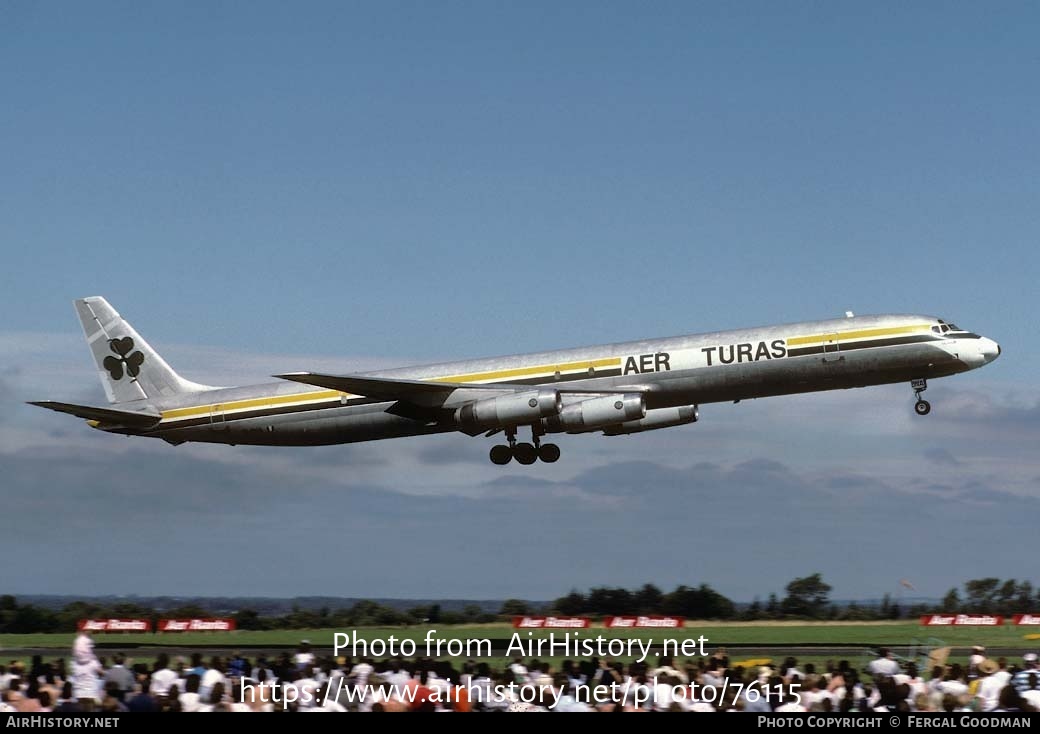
394	389
130	419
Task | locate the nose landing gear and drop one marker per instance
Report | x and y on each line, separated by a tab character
922	406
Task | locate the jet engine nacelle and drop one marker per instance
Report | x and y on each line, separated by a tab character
657	418
596	413
518	409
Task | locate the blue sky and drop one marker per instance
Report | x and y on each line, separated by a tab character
261	187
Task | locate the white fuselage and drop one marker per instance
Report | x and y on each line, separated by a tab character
670	372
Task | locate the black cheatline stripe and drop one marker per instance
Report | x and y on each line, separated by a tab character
262	412
550	381
808	350
852	346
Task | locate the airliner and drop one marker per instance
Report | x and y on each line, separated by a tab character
615	389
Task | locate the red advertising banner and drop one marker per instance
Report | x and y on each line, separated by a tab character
196	625
114	625
962	620
1032	620
649	620
538	623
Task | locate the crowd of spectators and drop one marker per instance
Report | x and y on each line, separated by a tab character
307	683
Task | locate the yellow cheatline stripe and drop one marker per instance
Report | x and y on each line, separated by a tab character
521	371
307	397
311	397
812	339
861	334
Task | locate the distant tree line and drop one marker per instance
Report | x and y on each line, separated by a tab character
993	596
701	602
805	598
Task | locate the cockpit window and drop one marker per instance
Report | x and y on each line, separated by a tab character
944	327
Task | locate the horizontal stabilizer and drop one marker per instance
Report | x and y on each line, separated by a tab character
130	419
393	389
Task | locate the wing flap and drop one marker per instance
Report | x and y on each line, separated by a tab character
130	419
373	387
394	389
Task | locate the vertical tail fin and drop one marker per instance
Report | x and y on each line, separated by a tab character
129	368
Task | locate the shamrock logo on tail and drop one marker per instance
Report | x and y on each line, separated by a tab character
131	362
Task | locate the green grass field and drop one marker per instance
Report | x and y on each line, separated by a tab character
761	633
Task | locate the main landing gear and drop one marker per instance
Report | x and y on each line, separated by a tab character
922	406
525	453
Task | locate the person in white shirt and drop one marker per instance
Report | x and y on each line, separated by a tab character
666	668
359	673
6	678
993	679
885	665
662	691
482	689
214	674
216	701
86	682
436	683
83	647
304	658
978	654
519	670
163	677
325	702
398	675
952	683
813	693
190	699
308	688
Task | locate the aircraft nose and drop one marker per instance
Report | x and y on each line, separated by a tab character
990	349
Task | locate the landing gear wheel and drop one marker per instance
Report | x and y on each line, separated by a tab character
922	406
525	453
549	452
501	455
